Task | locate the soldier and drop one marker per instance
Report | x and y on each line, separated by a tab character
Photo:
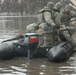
67	15
66	32
46	23
56	16
46	15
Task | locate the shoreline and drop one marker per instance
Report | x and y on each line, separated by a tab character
16	15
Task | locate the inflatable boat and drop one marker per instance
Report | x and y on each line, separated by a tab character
27	46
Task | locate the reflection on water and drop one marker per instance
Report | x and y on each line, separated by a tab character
41	66
10	27
15	23
31	67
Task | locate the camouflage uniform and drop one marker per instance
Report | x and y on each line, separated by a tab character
57	14
66	32
31	28
46	24
67	15
56	18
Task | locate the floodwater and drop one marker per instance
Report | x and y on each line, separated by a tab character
11	26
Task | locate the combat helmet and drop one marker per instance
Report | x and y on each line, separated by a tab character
68	7
57	6
50	5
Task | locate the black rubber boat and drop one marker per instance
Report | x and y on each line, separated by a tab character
26	46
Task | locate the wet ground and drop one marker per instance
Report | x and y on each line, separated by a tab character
10	27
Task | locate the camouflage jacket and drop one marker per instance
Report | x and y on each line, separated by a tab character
66	17
46	16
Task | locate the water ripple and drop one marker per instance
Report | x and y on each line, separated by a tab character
18	68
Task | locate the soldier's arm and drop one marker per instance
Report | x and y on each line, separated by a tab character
48	18
58	19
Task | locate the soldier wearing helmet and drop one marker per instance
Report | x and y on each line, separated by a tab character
46	14
65	32
57	13
67	15
46	23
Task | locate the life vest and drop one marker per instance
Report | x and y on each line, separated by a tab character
41	16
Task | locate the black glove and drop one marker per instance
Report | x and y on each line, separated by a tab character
56	26
37	27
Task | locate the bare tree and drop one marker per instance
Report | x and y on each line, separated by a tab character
27	6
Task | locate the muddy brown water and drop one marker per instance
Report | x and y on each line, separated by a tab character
11	26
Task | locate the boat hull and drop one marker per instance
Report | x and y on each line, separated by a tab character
60	52
12	49
9	50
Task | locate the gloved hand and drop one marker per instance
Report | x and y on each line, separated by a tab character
56	26
37	27
19	36
62	27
